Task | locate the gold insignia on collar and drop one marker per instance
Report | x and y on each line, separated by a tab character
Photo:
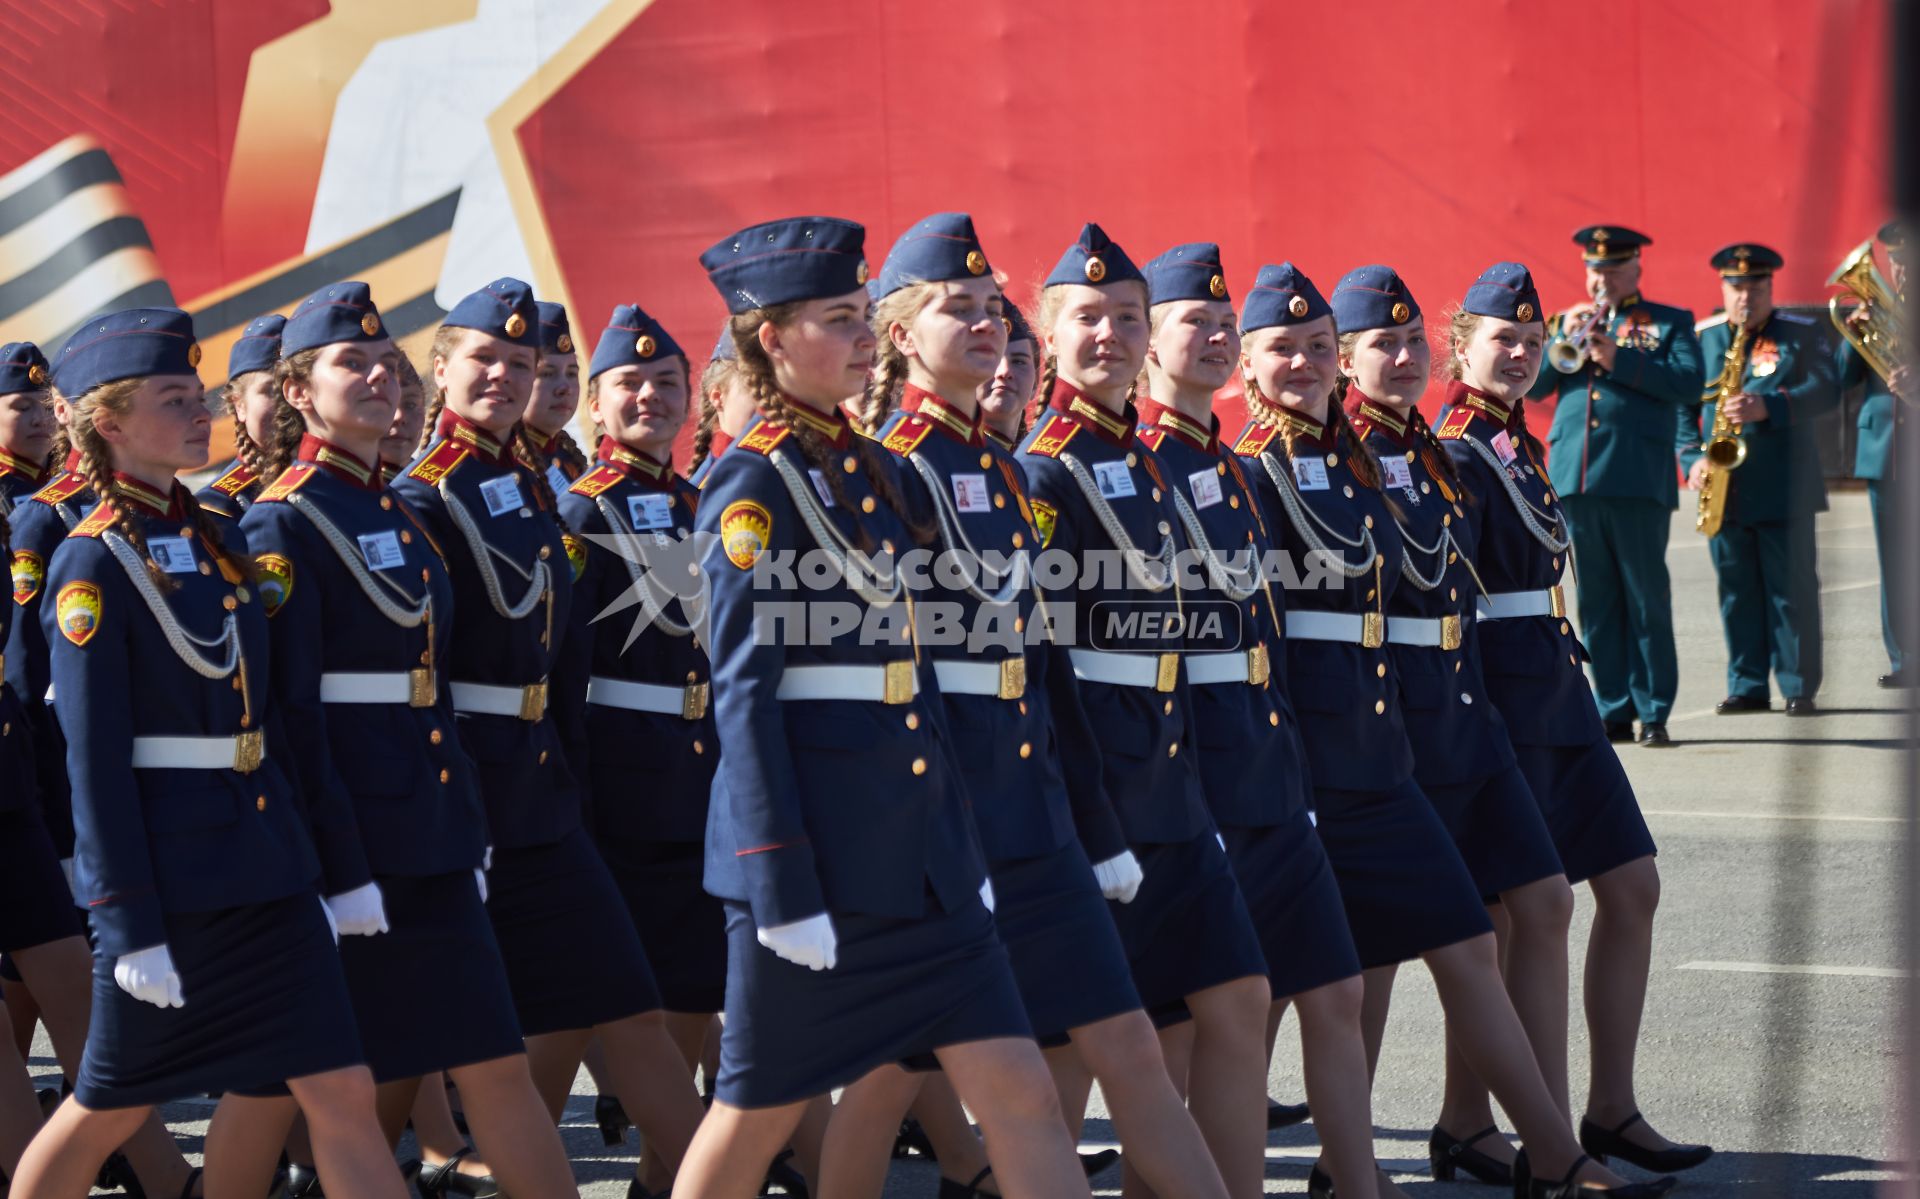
516	325
1401	312
1096	269
1297	306
976	263
645	346
1218	286
370	325
563	343
1524	312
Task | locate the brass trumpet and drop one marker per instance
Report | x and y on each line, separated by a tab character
1567	352
1881	343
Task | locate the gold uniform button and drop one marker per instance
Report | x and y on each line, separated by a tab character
1556	564
693	676
866	504
1379	706
1166	709
1156	495
386	502
1233	501
1452	558
1220	468
1457	666
1564	628
246	722
1133	459
426	658
1023	707
1380	671
1369	522
1018	541
236	682
913	720
260	804
699	748
1348	490
1020	626
1273	718
1173	749
986	460
1571	661
229	603
435	737
887	546
850	464
444	776
1593	424
1026	749
1409	455
205	569
1453	593
406	538
543	757
1370	594
999	501
919	765
1465	698
1333	459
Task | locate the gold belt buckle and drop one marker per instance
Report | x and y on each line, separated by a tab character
899	687
1373	630
1556	600
420	688
249	750
533	701
1257	667
1168	674
693	701
1013	677
1450	632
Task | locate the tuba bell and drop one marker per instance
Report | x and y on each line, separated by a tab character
1880	340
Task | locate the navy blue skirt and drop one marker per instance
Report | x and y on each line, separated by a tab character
683	928
430	993
1188	929
1295	904
266	1001
36	905
900	990
573	957
1402	882
1499	830
1066	953
1589	805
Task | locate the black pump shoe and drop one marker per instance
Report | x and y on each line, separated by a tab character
612	1119
303	1182
437	1182
1286	1115
1098	1160
949	1189
911	1141
1603	1144
1448	1154
1319	1184
1526	1186
785	1177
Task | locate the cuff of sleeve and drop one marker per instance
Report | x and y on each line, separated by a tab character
121	925
782	886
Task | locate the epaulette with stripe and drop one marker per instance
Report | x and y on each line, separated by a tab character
763	437
291	480
97	522
62	489
439	462
907	434
1049	439
238	478
1151	437
601	478
1718	318
1255	439
1459	420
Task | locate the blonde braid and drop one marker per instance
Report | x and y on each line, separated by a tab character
283	444
527	455
96	465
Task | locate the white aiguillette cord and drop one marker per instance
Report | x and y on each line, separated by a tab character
1299	513
642	582
184	643
349	555
1130	553
854	566
957	539
483	555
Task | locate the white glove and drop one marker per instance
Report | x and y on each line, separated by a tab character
480	877
808	942
148	975
66	868
486	859
360	912
333	926
1119	877
986	893
1222	839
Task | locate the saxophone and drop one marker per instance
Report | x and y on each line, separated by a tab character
1725	449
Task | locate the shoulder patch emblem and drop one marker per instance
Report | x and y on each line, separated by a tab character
29	572
78	609
98	521
907	436
291	480
276	580
1053	436
744	529
576	554
763	437
237	479
1255	439
1455	426
1045	515
595	481
439	463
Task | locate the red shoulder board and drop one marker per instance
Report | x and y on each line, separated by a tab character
907	435
439	463
290	481
1255	440
1455	426
763	437
1151	438
62	489
1053	436
238	478
98	521
595	481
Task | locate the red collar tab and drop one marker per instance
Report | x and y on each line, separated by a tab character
944	416
1304	429
1154	414
831	424
1369	414
143	498
13	464
72	464
632	462
338	462
1086	411
481	443
543	443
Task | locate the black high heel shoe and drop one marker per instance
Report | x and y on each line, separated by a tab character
1286	1115
1526	1186
437	1182
612	1119
911	1141
1603	1143
1093	1163
303	1182
1448	1154
785	1177
1319	1184
949	1189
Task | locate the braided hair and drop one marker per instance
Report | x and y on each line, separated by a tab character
1265	411
288	426
756	370
528	455
1046	311
444	340
712	380
1461	326
890	367
250	453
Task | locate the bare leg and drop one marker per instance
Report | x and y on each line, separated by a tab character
19	1106
23	1012
1073	1082
67	1153
955	1144
1619	957
243	1144
1005	1083
505	1113
1155	1130
1465	1106
1227	1080
1374	1004
688	1031
433	1127
348	1150
1176	1050
1333	1059
732	1149
654	1085
553	1058
854	1158
809	1137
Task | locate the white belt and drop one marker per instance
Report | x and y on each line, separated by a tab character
881	683
412	687
1005	679
1351	628
1441	632
1158	671
243	753
529	703
1248	667
688	702
1509	605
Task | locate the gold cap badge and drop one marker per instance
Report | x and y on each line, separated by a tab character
1218	286
563	343
646	346
370	325
37	374
1524	312
1297	306
193	355
516	325
976	263
1096	269
860	273
1401	312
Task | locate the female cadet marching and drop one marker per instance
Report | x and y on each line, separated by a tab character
409	420
573	958
938	321
1003	398
556	400
214	967
250	400
1462	759
725	408
359	606
856	928
1406	891
1533	675
1098	495
1252	763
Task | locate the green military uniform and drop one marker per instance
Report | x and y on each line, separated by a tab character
1763	555
1611	462
1881	416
